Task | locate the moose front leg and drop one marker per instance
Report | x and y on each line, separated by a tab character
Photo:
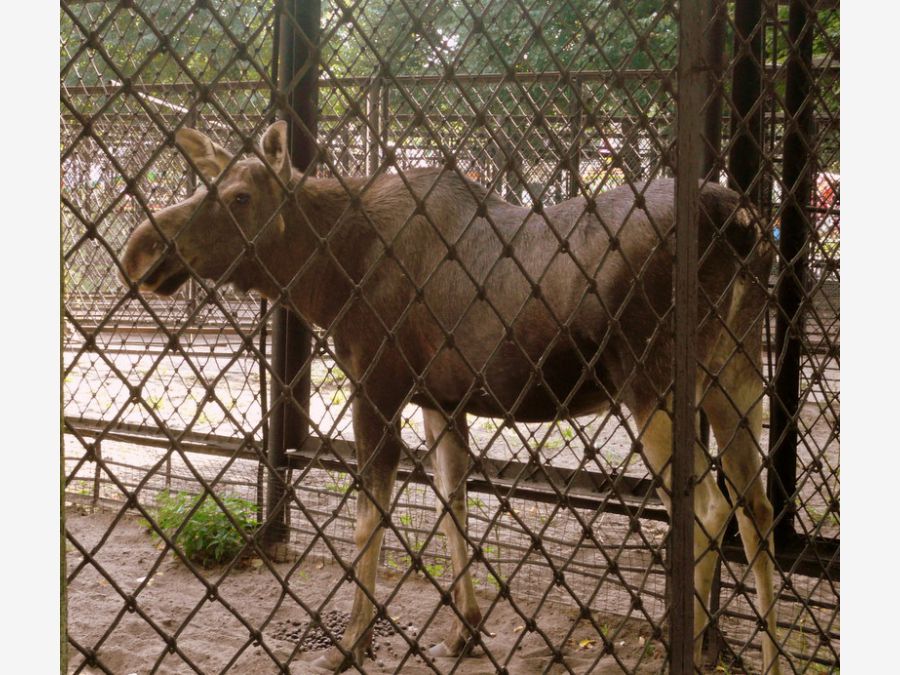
451	466
711	511
378	453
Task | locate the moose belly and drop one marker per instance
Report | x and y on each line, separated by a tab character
539	405
511	384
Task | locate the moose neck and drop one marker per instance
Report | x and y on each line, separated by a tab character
320	229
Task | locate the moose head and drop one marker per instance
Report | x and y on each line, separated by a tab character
209	234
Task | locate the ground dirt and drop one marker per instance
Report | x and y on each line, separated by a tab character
209	638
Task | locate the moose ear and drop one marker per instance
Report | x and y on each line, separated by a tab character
274	147
210	159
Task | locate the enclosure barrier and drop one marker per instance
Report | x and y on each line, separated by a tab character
224	514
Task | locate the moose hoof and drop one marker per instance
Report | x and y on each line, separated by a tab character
441	650
332	661
458	647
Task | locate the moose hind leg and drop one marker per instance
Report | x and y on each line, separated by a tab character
734	407
710	512
451	465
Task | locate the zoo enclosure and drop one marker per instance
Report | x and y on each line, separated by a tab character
585	129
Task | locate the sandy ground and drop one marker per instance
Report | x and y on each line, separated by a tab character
208	636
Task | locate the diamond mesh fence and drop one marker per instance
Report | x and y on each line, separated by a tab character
407	406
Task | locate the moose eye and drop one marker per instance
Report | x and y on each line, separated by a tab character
242	198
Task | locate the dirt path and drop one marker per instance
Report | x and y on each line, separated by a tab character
208	634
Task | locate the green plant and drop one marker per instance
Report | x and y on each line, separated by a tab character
494	580
338	482
434	569
550	444
155	402
818	515
80	487
475	503
207	536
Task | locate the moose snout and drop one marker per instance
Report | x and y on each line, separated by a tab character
142	250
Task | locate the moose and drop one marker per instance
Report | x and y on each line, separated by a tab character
439	293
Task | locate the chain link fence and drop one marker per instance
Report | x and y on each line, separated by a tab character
436	437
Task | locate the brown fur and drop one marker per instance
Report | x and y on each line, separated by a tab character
439	293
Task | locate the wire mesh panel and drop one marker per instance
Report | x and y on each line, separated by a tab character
389	385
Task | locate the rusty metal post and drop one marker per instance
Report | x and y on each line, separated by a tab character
576	122
794	248
385	105
716	11
691	86
747	120
98	456
291	340
715	20
512	162
191	121
373	129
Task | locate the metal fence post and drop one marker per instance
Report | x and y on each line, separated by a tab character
98	456
291	340
712	168
385	105
576	121
715	61
744	159
794	243
191	120
691	85
373	129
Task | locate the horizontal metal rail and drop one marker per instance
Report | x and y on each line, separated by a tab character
461	78
813	556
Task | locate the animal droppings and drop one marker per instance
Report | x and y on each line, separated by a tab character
311	636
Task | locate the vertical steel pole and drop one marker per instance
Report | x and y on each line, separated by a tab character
794	247
746	119
373	113
190	120
576	122
691	86
98	456
385	105
291	340
715	63
715	20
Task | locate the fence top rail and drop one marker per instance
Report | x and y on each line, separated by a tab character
461	78
324	80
